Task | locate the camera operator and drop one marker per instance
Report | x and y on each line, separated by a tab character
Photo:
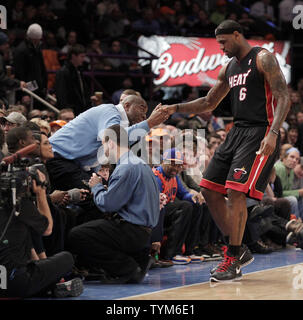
27	278
2	141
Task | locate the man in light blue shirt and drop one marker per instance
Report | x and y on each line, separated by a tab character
78	147
120	244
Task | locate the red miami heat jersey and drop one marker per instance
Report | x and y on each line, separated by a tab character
252	102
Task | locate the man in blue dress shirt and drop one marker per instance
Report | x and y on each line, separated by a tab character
120	244
78	147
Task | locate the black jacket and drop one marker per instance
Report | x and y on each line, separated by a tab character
68	89
6	83
29	66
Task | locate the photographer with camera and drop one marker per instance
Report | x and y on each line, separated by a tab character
18	217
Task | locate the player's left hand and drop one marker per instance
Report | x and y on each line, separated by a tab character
268	144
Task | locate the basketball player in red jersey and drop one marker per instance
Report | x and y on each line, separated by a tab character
241	166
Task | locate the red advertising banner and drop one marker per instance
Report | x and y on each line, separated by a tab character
197	61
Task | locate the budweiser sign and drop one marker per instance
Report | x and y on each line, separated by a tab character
197	61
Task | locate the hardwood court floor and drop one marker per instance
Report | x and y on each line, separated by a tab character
273	284
269	277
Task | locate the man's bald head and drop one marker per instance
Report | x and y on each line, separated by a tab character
135	108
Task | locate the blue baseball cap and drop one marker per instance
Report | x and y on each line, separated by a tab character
173	154
3	38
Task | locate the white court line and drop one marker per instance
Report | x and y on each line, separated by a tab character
199	283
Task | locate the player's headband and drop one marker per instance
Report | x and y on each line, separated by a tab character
228	30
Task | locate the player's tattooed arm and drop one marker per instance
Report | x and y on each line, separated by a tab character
208	103
269	66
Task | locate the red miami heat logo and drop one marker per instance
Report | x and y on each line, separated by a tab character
238	173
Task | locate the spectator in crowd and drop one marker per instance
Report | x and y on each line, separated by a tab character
17	108
286	13
104	173
117	64
167	21
274	196
263	10
96	62
203	26
214	139
158	139
125	260
2	141
6	81
222	133
147	25
35	113
76	145
298	175
70	87
71	41
46	115
43	125
115	23
128	92
56	125
13	120
51	58
153	153
291	120
299	116
284	147
300	88
127	84
283	136
220	12
66	115
285	171
17	14
292	135
58	201
180	218
193	13
28	60
296	102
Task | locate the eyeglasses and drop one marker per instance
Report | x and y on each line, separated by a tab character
7	124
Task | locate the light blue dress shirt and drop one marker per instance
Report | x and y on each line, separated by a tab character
80	139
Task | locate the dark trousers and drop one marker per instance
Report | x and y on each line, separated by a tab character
38	276
181	225
66	174
116	246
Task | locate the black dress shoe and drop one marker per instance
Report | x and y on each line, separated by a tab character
140	273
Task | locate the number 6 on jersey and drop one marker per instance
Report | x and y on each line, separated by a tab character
242	94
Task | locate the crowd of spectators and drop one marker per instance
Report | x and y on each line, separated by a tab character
105	27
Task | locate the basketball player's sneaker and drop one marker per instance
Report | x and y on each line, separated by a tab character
228	270
245	256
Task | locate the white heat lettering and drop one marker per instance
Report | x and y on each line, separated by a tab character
238	79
